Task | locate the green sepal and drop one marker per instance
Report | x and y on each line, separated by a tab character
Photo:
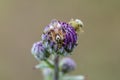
45	64
42	65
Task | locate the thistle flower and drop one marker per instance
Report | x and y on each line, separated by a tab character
67	65
40	50
60	36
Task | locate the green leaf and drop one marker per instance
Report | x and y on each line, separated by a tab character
49	63
80	77
42	65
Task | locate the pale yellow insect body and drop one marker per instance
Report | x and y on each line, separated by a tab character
77	24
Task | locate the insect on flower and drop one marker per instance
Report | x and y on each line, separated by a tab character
58	39
62	35
77	25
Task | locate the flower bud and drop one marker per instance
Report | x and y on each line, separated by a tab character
40	51
67	65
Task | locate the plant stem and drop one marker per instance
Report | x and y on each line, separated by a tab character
56	63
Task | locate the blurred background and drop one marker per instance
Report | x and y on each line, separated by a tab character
22	22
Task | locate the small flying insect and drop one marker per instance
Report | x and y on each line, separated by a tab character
77	25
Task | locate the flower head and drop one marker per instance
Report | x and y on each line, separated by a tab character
67	65
60	36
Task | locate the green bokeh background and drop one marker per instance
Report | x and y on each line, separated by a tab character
22	22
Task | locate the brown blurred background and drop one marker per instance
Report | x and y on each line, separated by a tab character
22	22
